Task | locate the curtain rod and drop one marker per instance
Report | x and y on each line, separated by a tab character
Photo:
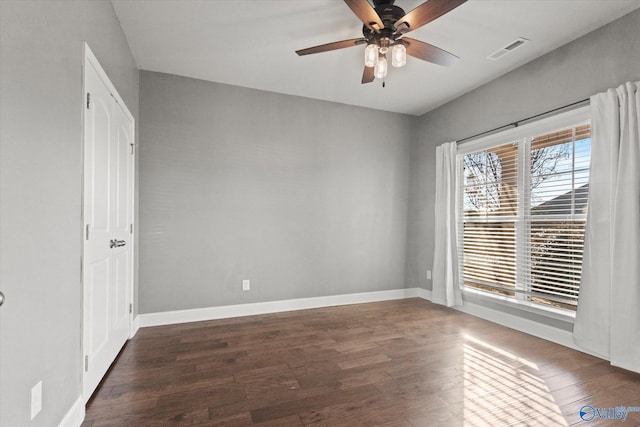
517	123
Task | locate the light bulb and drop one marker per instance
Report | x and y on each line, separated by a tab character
370	55
384	45
380	72
398	55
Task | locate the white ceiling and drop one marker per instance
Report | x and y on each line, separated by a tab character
251	43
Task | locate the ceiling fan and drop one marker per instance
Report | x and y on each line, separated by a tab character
384	28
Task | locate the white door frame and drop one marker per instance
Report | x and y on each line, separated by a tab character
89	59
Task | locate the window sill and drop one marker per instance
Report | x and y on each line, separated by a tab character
551	312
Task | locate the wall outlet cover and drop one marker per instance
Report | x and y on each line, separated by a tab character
428	274
246	285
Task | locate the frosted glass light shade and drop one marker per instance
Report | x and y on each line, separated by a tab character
398	55
380	71
370	55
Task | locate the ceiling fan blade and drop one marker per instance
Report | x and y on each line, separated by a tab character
367	75
428	52
331	46
366	13
425	13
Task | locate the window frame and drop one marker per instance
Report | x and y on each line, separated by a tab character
523	134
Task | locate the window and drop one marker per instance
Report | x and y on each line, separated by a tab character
522	199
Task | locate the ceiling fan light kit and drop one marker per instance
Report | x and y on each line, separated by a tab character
380	70
384	29
398	55
371	55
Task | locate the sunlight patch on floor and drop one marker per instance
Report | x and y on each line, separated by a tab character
502	389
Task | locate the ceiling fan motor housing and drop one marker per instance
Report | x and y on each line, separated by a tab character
389	14
377	3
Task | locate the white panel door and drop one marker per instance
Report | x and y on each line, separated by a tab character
122	208
108	214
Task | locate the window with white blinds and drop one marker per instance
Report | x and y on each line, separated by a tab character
522	212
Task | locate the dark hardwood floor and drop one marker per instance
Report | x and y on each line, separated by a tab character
395	363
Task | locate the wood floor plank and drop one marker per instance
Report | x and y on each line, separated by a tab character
395	363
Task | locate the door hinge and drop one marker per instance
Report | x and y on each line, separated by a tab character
88	101
130	228
130	308
86	232
131	148
86	363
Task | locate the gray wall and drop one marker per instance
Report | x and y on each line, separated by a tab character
604	58
303	197
40	189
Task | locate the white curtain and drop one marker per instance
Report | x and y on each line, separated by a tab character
446	289
608	314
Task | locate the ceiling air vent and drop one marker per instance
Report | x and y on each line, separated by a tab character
508	48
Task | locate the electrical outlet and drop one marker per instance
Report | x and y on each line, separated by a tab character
36	399
428	274
246	285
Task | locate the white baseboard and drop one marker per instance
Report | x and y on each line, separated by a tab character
423	293
75	415
229	311
527	326
530	327
540	330
135	325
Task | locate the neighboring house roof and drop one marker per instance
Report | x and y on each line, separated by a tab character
561	205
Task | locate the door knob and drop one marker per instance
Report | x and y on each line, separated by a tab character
1	298
120	243
112	243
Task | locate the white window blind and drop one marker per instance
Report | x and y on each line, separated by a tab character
522	211
490	182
